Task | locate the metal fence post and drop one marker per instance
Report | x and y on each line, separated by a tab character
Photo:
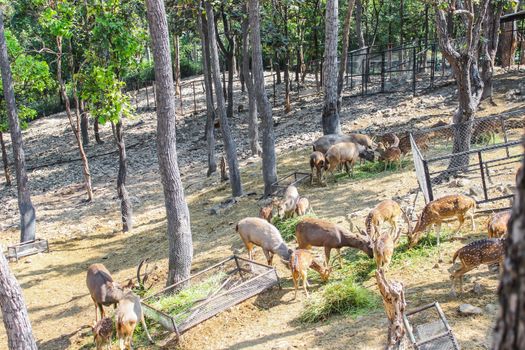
351	73
429	182
414	67
483	182
433	65
382	71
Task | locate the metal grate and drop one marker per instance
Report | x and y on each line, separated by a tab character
17	251
236	279
295	178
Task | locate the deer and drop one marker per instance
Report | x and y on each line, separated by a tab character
103	289
266	212
389	155
345	153
421	141
390	139
300	261
483	251
129	312
102	333
256	231
386	211
302	207
323	143
316	161
383	247
456	205
321	233
286	207
497	224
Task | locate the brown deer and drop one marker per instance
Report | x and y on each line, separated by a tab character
286	206
390	140
103	290
317	161
474	254
321	233
266	212
302	207
389	155
497	224
300	261
102	333
386	211
129	313
323	143
421	140
256	231
345	153
435	212
383	247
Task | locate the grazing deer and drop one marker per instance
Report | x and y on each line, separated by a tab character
421	140
302	206
485	131
345	153
103	290
325	142
129	312
256	231
317	161
102	333
474	254
497	224
286	207
300	261
383	247
389	139
456	205
386	211
266	212
321	233
389	155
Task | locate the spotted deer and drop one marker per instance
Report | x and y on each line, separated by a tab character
383	247
386	211
497	224
102	333
389	155
483	251
300	261
435	212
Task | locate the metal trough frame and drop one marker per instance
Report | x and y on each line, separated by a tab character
17	251
299	177
168	321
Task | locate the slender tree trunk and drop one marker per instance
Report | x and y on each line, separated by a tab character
125	202
210	109
263	104
489	47
178	215
287	104
330	119
176	63
27	211
229	143
278	69
394	302
96	132
231	69
84	124
14	311
344	52
253	128
359	23
509	334
5	161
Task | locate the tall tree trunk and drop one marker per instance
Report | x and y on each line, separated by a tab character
96	132
229	54
5	161
75	125
125	202
394	303
178	215
176	63
210	109
489	47
27	211
229	143
344	52
253	128
508	40
287	105
84	124
359	23
263	104
14	311
509	334
278	69
330	119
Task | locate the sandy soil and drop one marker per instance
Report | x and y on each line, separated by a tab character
83	233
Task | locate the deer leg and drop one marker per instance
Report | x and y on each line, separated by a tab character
269	256
327	256
143	321
295	285
438	231
461	219
121	343
96	310
311	176
102	313
340	258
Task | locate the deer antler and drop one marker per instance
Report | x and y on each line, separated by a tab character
142	283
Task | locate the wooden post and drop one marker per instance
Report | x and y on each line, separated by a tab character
394	303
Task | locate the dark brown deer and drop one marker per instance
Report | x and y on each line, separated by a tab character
321	233
484	251
390	140
300	261
103	290
344	153
102	333
317	161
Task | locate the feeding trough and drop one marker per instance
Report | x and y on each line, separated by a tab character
19	250
208	292
294	178
428	329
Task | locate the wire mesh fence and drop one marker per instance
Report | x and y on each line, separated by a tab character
481	156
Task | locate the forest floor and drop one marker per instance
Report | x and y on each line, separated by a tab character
83	233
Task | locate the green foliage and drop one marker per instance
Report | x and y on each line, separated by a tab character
287	227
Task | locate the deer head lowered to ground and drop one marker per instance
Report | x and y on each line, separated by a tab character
300	261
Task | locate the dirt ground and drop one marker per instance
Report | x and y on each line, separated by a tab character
84	233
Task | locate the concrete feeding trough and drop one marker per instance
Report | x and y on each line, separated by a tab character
185	304
19	250
295	178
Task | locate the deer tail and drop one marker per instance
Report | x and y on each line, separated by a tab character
455	256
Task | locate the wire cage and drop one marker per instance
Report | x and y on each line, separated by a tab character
208	292
481	156
428	329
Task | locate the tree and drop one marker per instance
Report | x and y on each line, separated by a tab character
344	52
253	128
489	46
263	104
178	216
464	63
229	143
394	302
330	119
5	160
509	332
27	211
14	311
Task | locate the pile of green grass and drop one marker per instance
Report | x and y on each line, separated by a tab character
371	169
287	227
